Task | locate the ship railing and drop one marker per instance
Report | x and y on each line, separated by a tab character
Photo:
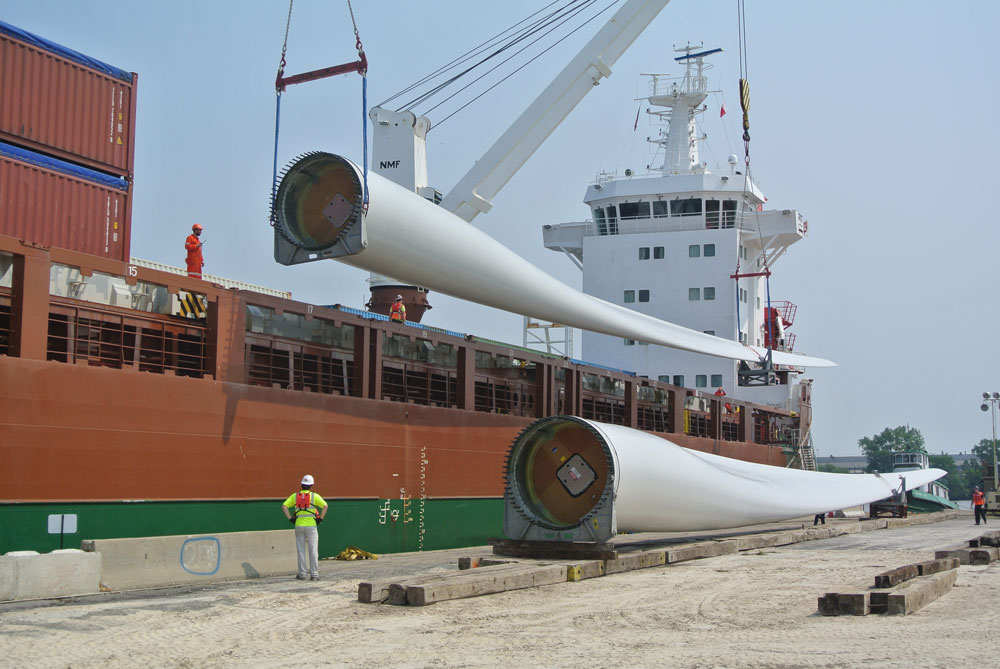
687	222
504	396
107	337
419	383
297	365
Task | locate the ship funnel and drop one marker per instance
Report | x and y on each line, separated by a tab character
571	479
319	214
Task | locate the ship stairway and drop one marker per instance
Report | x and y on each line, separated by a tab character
807	455
799	452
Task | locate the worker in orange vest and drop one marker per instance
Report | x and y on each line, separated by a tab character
193	244
398	310
979	504
719	392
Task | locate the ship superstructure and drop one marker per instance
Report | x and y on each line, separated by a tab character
668	244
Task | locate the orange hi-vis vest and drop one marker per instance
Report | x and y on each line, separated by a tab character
398	311
977	498
304	502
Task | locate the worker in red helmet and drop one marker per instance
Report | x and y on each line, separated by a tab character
193	244
397	312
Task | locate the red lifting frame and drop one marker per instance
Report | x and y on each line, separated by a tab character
360	66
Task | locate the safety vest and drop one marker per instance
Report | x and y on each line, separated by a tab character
304	502
398	311
977	498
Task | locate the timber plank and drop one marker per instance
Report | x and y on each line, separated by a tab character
887	579
935	566
983	555
921	593
961	553
703	549
844	604
484	584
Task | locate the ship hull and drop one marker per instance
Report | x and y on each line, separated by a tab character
139	454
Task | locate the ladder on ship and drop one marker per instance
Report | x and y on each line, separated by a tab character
807	456
799	452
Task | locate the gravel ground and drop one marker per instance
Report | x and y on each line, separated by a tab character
752	609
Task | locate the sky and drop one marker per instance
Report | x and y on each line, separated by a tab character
869	118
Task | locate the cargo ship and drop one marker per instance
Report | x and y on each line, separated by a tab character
138	401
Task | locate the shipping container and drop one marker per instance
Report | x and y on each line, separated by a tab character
62	103
56	203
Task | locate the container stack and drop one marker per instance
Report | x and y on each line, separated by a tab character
67	128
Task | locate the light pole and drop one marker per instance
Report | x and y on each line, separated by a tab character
990	404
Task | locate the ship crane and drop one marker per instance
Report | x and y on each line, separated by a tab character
323	212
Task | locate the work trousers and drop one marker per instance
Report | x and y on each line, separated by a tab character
307	547
980	513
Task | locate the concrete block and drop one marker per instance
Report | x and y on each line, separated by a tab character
702	550
921	593
146	562
61	573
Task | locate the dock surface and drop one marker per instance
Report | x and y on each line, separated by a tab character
754	608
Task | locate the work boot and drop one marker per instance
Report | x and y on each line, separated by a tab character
300	577
314	578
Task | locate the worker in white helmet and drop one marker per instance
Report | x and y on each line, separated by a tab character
397	312
306	509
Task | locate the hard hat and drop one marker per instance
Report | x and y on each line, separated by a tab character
399	297
307	479
197	226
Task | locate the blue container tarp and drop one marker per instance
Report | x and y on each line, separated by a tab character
65	52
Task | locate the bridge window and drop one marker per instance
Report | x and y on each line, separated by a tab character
694	251
644	296
644	253
679	380
612	220
729	213
709	250
694	294
716	380
658	253
602	226
701	381
709	292
689	207
632	210
661	209
629	296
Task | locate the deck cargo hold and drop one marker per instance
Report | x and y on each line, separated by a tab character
52	202
63	103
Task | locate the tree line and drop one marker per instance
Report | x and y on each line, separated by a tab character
879	449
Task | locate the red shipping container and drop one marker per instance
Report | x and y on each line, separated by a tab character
53	203
62	103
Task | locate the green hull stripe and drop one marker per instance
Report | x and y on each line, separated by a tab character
375	525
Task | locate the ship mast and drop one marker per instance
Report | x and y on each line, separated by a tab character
681	101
